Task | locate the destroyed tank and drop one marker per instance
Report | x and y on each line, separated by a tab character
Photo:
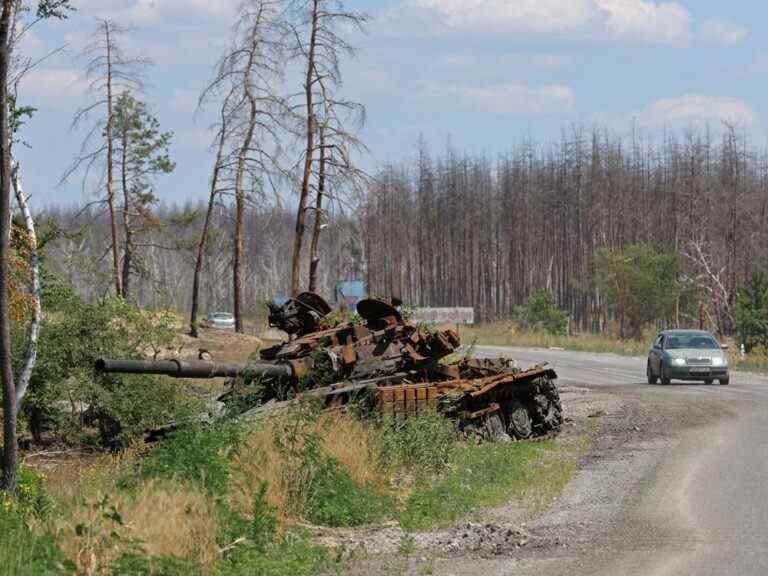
385	363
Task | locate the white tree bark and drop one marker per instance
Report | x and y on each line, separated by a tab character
34	263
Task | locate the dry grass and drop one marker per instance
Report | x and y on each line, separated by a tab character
162	518
260	459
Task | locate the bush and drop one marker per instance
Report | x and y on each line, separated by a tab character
65	389
196	454
540	313
31	496
751	312
423	444
337	500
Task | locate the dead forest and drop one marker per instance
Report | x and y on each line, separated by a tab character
449	229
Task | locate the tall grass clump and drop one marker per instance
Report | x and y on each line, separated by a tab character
423	444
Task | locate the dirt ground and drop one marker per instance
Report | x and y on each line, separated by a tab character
629	432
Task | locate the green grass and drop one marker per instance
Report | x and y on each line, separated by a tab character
24	553
507	334
531	473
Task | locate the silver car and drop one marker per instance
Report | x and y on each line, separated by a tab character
223	320
687	355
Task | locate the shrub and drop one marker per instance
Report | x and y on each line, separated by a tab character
540	313
32	498
423	444
196	454
337	500
65	389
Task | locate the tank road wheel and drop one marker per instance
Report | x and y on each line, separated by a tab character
520	424
546	409
494	428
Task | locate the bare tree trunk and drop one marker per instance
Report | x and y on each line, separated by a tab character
10	441
309	154
314	260
37	315
204	234
110	175
239	189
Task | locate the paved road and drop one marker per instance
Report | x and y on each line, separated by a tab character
708	496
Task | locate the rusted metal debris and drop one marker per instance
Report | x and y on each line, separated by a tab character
385	362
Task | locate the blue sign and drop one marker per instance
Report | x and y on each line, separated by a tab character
349	292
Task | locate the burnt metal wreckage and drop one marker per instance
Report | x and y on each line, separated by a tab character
385	363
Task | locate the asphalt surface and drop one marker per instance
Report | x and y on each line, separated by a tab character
702	507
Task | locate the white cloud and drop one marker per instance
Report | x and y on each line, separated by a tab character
697	108
54	86
723	32
506	16
646	21
514	99
152	11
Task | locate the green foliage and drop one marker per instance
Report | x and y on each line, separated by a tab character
196	454
540	313
335	499
64	383
293	555
24	553
751	312
316	485
141	147
135	564
31	495
423	444
263	551
640	282
481	475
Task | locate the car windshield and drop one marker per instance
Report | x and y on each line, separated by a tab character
690	340
222	316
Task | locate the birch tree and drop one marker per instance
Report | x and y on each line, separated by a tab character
12	395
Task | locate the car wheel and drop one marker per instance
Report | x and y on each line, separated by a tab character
649	374
724	381
665	379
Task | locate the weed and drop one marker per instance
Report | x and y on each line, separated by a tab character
337	500
488	475
407	545
24	553
422	444
196	454
139	565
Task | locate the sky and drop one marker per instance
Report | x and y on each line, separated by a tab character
478	75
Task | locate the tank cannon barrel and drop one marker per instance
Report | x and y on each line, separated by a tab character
193	368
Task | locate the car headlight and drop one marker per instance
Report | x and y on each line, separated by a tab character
678	361
718	361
